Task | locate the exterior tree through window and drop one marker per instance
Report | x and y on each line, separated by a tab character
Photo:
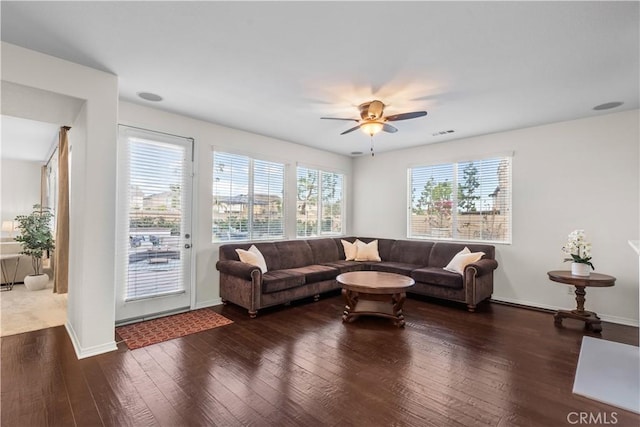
461	201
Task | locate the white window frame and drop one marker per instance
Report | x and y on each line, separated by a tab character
455	217
318	232
251	188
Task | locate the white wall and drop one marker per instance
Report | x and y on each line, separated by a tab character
208	135
577	174
20	188
90	307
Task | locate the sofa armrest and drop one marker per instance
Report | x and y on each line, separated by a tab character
483	266
238	269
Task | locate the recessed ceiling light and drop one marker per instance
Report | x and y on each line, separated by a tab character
608	105
148	96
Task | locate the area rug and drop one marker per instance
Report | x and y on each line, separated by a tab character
149	332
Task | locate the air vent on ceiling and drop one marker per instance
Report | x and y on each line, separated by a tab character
443	132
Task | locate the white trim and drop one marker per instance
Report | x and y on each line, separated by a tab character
126	308
345	198
606	318
250	154
208	303
455	185
343	204
470	242
319	167
95	350
461	159
250	193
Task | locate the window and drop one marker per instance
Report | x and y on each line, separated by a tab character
248	198
466	201
320	203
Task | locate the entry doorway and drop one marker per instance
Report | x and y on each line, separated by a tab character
29	176
153	260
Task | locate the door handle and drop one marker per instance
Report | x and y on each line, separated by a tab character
187	246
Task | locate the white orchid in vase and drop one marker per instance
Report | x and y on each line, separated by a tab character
578	248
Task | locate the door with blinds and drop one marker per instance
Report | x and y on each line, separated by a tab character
154	224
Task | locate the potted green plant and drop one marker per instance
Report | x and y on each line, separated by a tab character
36	238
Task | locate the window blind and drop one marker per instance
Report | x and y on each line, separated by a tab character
320	207
466	200
156	203
248	198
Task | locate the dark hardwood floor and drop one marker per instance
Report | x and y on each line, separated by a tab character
301	366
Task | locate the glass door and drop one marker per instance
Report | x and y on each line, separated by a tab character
154	224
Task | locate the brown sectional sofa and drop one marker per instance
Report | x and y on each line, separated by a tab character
298	269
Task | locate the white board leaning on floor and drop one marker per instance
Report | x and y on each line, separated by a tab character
609	372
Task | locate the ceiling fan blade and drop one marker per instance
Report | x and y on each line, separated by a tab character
388	128
338	118
350	130
405	116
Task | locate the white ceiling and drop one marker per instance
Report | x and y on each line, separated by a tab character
274	68
29	140
31	119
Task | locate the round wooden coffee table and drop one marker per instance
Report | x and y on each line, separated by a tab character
590	319
374	293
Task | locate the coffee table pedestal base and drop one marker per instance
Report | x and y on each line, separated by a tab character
362	304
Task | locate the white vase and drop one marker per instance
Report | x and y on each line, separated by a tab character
35	283
580	269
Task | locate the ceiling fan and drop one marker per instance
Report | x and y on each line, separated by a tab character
372	119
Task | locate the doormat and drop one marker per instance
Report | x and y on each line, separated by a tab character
153	331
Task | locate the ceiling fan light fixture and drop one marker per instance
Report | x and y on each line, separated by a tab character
371	128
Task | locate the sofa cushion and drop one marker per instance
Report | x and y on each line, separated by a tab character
437	276
316	273
267	249
442	252
293	254
323	250
271	255
395	267
350	249
345	266
338	241
367	251
384	246
254	257
281	280
411	252
462	259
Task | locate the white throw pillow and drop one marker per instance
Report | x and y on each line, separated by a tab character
462	259
350	250
367	251
254	257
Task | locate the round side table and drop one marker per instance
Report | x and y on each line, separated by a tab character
591	319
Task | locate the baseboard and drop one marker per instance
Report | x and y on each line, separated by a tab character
208	303
82	353
535	305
